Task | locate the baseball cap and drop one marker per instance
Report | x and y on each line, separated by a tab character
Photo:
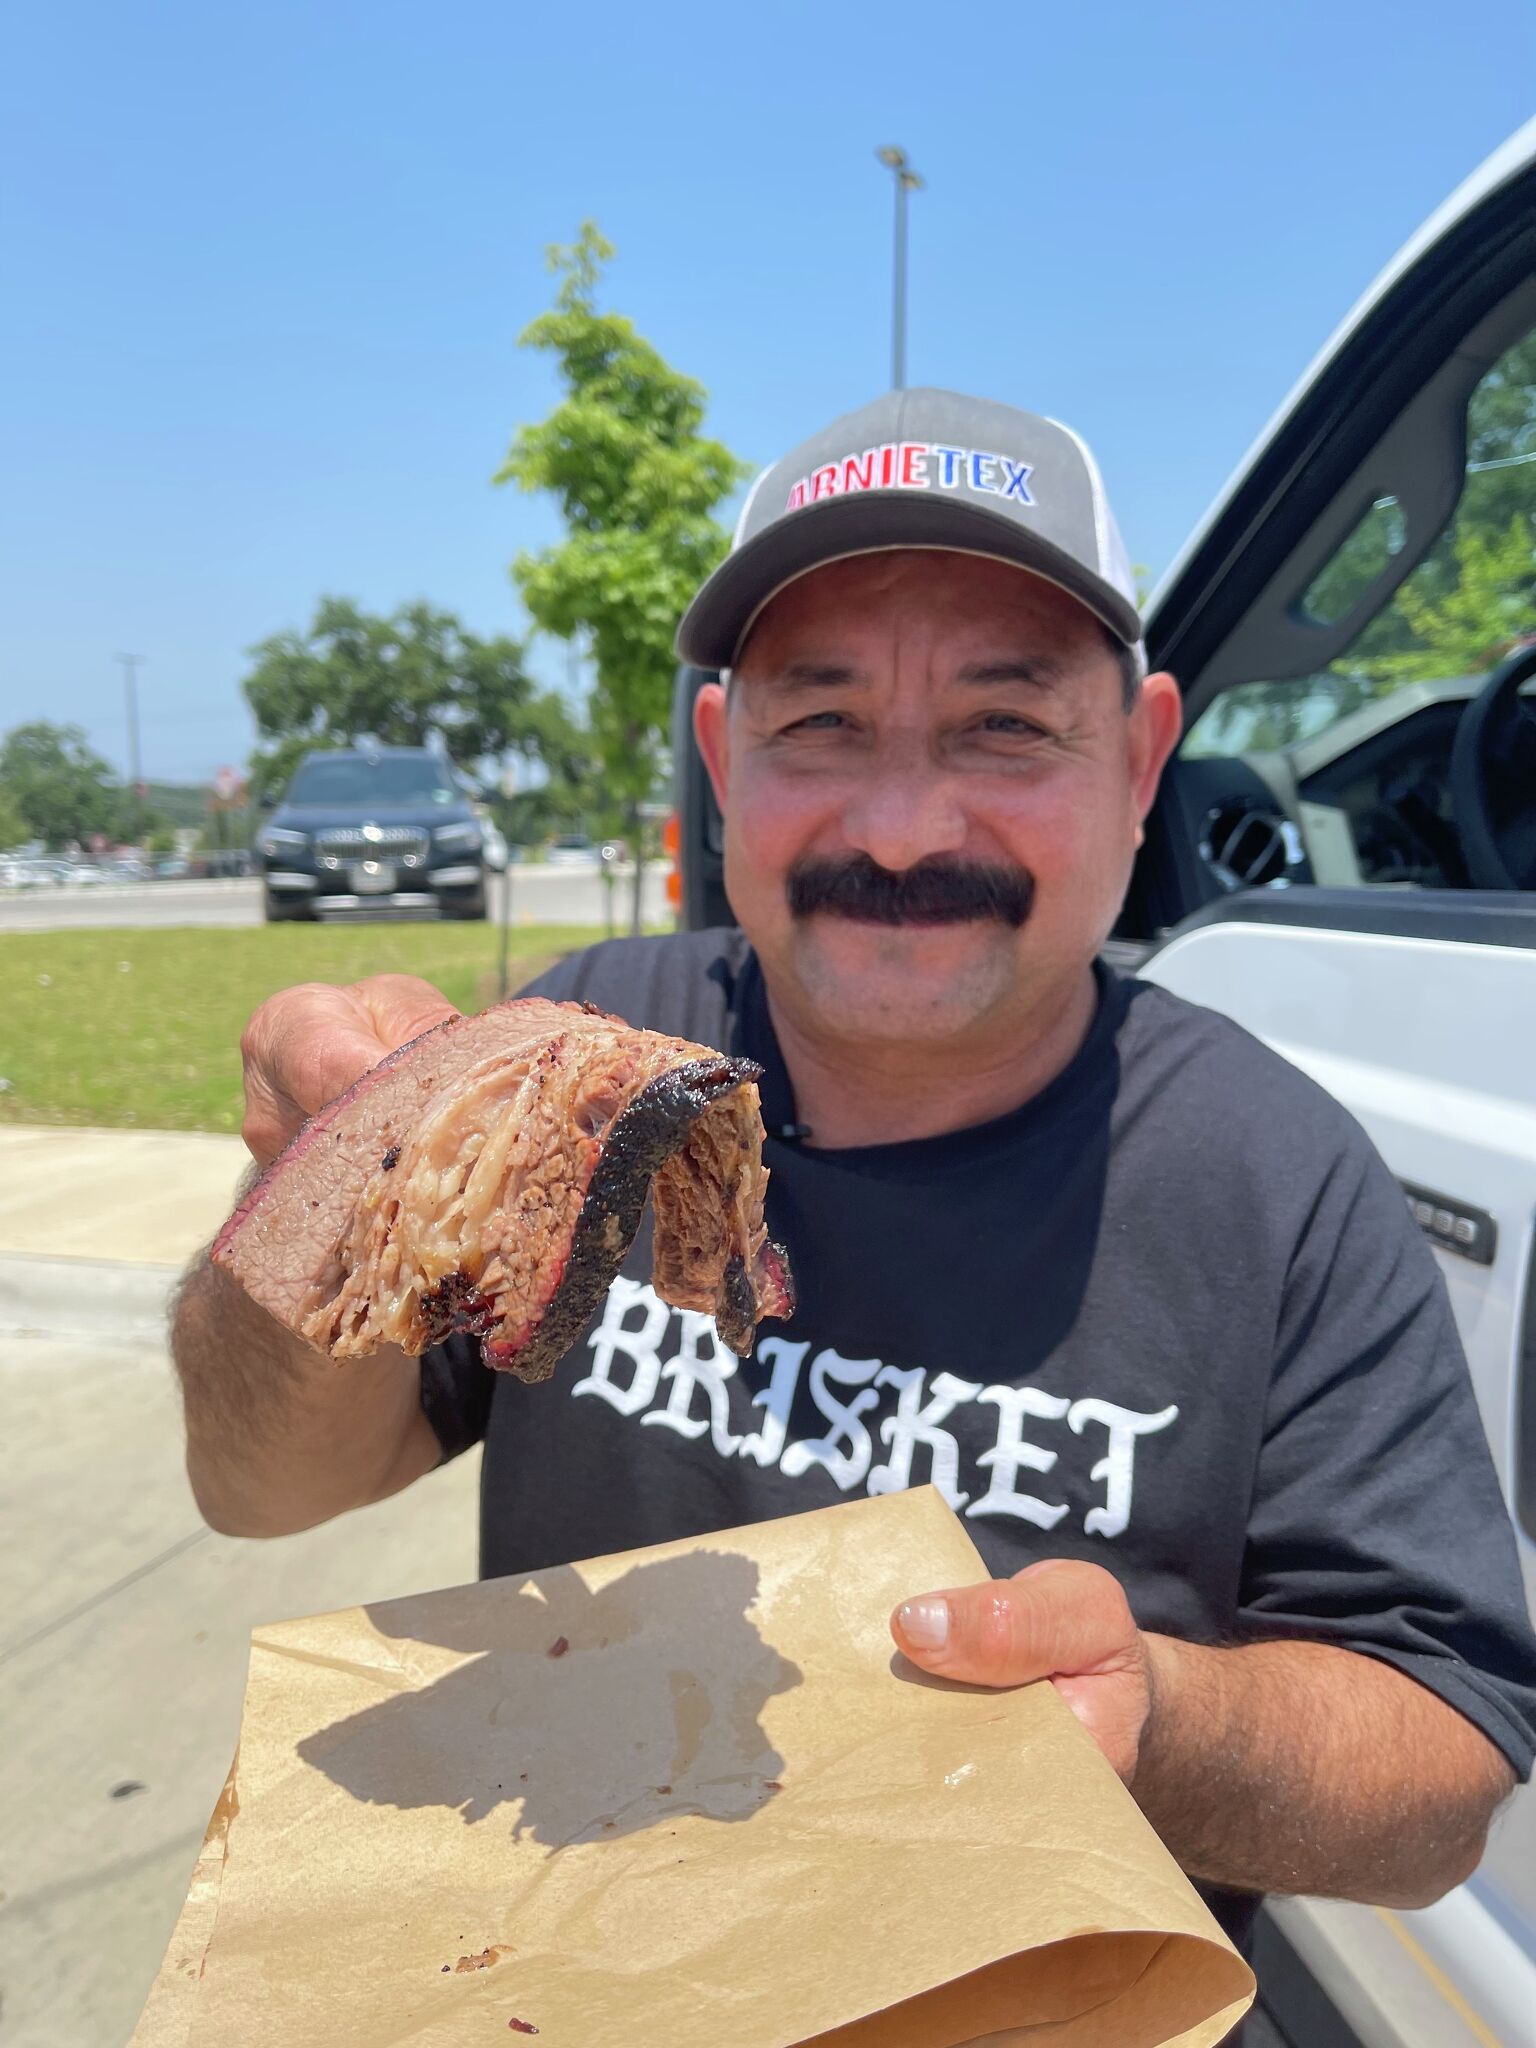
920	469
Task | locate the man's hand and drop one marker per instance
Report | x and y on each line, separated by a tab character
1266	1767
306	1044
279	1437
1060	1620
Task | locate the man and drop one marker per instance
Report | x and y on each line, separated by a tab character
1134	1293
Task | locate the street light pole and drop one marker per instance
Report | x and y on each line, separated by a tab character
907	180
130	664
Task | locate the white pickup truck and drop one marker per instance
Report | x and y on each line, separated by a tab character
1343	858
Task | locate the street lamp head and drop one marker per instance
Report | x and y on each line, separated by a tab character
911	182
894	158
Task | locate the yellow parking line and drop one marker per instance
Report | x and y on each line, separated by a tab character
1473	2021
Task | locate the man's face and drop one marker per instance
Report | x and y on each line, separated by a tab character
932	792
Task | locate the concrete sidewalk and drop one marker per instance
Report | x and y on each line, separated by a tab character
124	1622
146	1196
95	1226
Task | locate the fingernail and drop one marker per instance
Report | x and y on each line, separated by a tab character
925	1623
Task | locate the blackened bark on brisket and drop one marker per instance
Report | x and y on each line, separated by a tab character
456	1307
640	1140
736	1315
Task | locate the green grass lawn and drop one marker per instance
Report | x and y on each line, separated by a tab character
143	1027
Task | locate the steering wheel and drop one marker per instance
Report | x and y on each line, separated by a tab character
1493	778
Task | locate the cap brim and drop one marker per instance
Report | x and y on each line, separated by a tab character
870	522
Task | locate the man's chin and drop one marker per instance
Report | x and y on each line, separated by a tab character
904	981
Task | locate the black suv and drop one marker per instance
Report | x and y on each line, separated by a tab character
387	828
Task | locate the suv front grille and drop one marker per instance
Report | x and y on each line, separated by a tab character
405	844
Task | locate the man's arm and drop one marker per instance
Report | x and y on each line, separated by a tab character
1303	1767
1287	1767
279	1437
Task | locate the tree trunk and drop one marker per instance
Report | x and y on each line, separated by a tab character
637	848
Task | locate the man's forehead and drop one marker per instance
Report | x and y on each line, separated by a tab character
991	613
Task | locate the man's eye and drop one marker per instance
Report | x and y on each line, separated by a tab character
1012	726
818	721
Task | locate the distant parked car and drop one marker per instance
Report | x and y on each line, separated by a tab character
220	864
386	828
45	873
571	850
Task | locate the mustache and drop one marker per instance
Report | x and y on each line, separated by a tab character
932	892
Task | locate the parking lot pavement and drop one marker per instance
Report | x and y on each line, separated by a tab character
540	895
122	1664
123	1620
134	1196
131	904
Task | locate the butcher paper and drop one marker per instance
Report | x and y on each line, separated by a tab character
687	1796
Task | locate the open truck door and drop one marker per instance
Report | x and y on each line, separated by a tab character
1343	858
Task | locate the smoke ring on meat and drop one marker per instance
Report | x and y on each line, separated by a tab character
489	1178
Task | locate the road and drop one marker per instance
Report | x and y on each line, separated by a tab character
540	895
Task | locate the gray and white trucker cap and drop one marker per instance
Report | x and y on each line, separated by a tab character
920	469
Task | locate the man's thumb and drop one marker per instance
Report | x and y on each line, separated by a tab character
1057	1619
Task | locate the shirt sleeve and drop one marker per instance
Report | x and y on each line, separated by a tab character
455	1387
455	1394
1377	1521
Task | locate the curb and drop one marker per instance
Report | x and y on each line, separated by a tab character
105	1298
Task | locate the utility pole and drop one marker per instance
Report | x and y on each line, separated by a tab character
907	180
130	664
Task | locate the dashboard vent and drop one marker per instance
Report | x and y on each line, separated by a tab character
1246	847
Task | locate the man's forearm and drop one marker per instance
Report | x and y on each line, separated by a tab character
1302	1767
278	1437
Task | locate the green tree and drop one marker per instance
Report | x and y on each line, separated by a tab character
177	803
1471	623
637	483
565	796
14	830
60	788
398	679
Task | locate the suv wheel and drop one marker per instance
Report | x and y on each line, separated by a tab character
283	909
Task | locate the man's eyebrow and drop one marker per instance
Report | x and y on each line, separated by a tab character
1036	672
809	675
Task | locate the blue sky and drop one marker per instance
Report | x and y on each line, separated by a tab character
265	267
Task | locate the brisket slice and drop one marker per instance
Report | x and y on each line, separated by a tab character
489	1178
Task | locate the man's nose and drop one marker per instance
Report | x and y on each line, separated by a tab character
906	810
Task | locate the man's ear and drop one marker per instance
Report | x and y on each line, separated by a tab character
1156	721
709	729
